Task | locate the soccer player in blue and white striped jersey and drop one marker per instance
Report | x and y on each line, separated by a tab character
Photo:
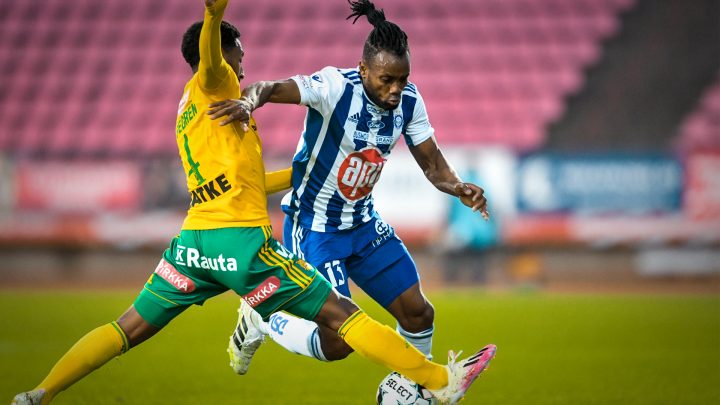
354	119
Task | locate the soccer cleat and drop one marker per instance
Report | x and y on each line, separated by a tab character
33	397
246	339
461	374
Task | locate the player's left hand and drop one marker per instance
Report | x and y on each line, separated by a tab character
472	196
235	110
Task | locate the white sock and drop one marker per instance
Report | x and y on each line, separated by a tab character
421	340
295	334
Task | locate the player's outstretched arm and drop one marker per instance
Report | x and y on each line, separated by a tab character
211	70
253	97
278	181
439	172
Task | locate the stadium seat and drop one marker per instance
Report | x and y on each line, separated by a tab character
701	128
105	77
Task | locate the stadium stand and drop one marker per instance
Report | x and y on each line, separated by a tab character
701	128
103	78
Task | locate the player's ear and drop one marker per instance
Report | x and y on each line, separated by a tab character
363	69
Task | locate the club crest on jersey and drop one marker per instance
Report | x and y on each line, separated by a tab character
398	121
359	173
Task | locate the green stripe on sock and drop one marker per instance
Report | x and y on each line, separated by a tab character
126	344
342	330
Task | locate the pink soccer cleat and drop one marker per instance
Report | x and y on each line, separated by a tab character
461	374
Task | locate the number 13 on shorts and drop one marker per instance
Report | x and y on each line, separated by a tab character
334	273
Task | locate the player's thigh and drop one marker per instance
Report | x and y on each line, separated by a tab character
282	281
173	286
324	250
198	265
384	272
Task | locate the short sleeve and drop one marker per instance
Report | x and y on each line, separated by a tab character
321	90
418	129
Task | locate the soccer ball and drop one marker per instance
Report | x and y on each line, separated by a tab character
398	390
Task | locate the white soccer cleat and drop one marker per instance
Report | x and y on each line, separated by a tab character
33	397
246	339
461	374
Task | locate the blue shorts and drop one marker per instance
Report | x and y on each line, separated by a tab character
371	255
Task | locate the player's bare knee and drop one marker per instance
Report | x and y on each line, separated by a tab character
333	347
338	352
136	329
336	310
418	319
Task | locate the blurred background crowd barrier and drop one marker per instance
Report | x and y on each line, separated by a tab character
593	125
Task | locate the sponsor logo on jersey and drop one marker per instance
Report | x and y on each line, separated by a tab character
210	191
361	136
376	124
359	173
278	323
305	81
191	257
381	227
383	230
262	292
183	101
383	140
168	273
398	121
354	118
375	110
317	78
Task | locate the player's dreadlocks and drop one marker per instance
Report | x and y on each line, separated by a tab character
386	36
191	41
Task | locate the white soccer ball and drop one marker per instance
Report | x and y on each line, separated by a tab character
398	390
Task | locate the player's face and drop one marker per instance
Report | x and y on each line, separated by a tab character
384	78
234	57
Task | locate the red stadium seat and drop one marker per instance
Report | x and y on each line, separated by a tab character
701	128
105	77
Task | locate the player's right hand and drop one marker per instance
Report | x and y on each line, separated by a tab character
234	110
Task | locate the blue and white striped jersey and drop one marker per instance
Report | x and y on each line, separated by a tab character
343	148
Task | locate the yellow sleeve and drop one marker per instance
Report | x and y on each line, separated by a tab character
211	72
278	181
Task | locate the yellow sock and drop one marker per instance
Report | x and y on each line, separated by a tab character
90	352
383	345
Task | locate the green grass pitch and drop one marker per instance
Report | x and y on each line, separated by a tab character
552	349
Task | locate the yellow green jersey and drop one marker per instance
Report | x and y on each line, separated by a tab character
223	164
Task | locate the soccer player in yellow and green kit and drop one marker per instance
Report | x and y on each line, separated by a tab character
226	243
